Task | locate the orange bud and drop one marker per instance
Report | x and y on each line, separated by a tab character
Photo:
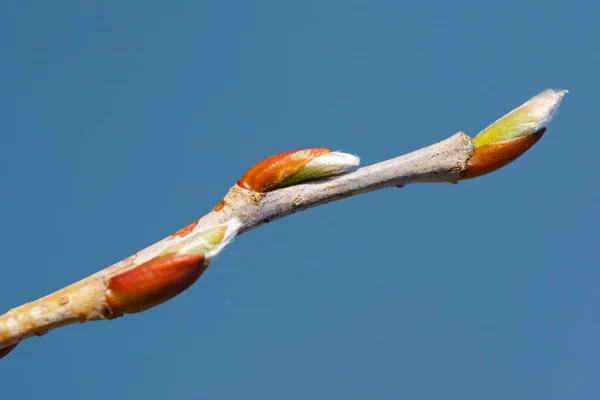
6	350
220	206
186	230
153	282
271	173
490	157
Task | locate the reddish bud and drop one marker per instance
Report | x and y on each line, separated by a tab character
490	157
219	206
6	350
153	282
186	230
271	173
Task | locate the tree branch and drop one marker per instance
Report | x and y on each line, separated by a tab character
441	162
274	188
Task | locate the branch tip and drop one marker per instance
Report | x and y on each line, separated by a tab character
512	135
527	119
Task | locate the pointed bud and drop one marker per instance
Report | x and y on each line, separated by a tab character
491	157
512	135
153	282
294	167
4	352
320	167
208	242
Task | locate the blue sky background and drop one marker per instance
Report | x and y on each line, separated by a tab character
123	121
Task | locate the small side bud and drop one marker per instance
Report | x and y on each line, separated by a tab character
153	282
208	242
186	230
220	205
4	352
512	135
294	167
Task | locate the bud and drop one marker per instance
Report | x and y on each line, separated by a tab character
294	167
320	167
186	230
512	135
209	241
153	282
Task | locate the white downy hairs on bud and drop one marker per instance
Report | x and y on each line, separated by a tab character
524	120
209	241
329	164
